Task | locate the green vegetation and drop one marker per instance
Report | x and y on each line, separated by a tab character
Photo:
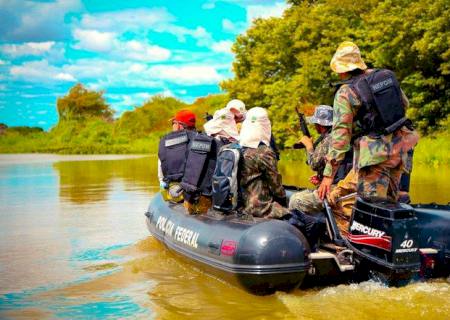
282	63
86	125
434	149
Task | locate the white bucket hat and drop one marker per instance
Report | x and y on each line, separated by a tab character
256	128
222	124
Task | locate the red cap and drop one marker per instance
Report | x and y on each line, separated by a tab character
186	117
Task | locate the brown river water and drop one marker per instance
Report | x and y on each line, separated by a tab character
74	245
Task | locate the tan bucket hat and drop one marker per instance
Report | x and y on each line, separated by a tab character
347	58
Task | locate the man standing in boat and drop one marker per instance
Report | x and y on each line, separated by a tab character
172	155
368	111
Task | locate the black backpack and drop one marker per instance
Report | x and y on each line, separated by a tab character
383	109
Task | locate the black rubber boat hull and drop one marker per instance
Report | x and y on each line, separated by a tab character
261	256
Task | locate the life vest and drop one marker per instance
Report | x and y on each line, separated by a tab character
382	110
225	183
173	152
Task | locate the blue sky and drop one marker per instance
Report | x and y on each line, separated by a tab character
131	49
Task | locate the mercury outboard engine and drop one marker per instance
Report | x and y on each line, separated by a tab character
384	237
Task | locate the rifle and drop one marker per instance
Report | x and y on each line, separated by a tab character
303	128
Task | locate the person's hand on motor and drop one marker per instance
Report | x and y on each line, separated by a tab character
325	187
333	196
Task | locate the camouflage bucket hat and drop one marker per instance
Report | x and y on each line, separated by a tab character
347	58
323	115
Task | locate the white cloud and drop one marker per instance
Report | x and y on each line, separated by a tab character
39	71
126	20
36	21
93	40
65	77
204	38
222	46
265	11
137	20
133	99
107	43
136	50
186	75
27	49
233	27
208	6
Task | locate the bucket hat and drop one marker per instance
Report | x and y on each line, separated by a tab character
347	58
256	128
222	123
323	115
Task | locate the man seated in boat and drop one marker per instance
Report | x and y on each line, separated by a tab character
262	190
237	108
172	155
197	182
308	200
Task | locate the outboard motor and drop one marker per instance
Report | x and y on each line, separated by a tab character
384	237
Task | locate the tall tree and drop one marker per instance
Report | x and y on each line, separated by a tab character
284	62
81	102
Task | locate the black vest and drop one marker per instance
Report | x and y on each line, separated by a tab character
382	110
200	165
173	152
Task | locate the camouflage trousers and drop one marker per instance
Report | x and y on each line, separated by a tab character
381	180
308	201
201	206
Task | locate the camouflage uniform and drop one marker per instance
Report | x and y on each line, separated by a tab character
261	183
379	160
307	200
316	159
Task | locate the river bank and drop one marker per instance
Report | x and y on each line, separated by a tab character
431	150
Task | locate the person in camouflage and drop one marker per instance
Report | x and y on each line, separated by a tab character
308	200
262	191
379	160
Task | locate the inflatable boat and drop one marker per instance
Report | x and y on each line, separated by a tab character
395	242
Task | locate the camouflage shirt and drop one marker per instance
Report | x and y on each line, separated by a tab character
317	159
261	183
368	150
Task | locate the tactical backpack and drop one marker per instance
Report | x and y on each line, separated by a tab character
383	109
225	182
200	165
172	152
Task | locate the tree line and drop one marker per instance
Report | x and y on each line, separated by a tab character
283	62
